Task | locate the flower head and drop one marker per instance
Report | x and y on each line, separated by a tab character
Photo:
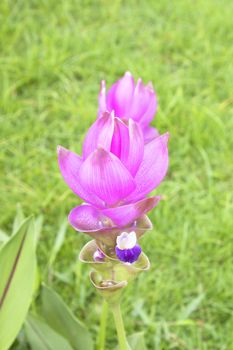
130	100
115	173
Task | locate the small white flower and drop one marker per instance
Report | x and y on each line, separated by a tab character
126	240
98	255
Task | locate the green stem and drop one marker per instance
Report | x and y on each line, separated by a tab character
123	345
103	323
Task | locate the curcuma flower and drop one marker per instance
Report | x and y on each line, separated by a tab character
113	176
123	159
130	100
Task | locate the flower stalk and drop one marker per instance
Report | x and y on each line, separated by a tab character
110	276
116	310
103	324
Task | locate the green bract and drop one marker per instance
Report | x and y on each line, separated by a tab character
111	275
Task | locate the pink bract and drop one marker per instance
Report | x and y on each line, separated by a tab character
115	173
130	100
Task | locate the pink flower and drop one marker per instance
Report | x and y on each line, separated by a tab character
130	100
114	174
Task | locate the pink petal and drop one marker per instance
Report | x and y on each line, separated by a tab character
128	144
150	133
70	164
153	167
120	139
85	218
103	174
120	95
133	156
99	134
110	98
144	104
102	99
126	214
140	101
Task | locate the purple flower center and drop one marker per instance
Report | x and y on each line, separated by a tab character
127	249
129	255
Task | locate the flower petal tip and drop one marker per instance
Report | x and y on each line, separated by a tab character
166	136
59	148
128	74
102	86
155	200
62	151
150	87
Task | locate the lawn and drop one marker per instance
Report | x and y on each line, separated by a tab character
53	55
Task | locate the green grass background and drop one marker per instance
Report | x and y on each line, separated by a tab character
52	57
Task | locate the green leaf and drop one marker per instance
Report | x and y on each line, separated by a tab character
17	271
41	337
136	341
191	307
65	277
3	237
38	227
58	242
19	218
61	319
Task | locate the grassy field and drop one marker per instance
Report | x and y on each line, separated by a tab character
53	55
